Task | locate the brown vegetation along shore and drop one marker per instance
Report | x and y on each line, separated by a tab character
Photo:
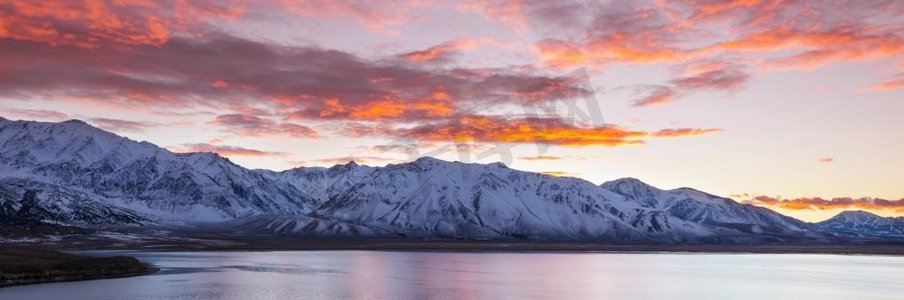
20	265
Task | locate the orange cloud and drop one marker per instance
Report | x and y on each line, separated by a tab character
562	54
825	160
760	33
508	12
375	15
836	45
865	203
541	158
442	51
395	109
436	107
560	174
95	23
533	130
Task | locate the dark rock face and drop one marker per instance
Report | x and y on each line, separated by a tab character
24	202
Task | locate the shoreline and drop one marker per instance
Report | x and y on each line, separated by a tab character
150	270
269	244
29	265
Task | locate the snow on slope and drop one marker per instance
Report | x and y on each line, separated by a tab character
131	181
321	183
283	225
864	224
702	208
430	197
196	186
23	201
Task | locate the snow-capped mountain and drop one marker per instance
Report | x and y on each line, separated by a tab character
320	184
864	224
26	201
698	207
430	197
139	175
71	173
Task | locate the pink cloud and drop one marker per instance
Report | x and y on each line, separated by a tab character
886	86
247	125
36	114
656	95
225	150
118	125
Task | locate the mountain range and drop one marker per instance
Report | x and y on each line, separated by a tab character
72	174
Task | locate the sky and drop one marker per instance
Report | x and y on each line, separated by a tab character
793	105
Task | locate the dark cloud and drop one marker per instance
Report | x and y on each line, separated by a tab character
184	65
296	82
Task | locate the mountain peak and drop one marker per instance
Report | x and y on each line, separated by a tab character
350	166
626	183
475	200
498	165
75	121
76	124
205	158
855	215
862	223
427	160
634	189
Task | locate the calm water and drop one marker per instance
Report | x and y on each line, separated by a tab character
438	275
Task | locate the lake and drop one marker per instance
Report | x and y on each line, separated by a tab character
481	275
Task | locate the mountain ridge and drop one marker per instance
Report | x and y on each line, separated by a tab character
127	182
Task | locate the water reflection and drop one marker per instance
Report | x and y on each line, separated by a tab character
440	275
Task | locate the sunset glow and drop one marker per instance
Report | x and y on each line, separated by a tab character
789	105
